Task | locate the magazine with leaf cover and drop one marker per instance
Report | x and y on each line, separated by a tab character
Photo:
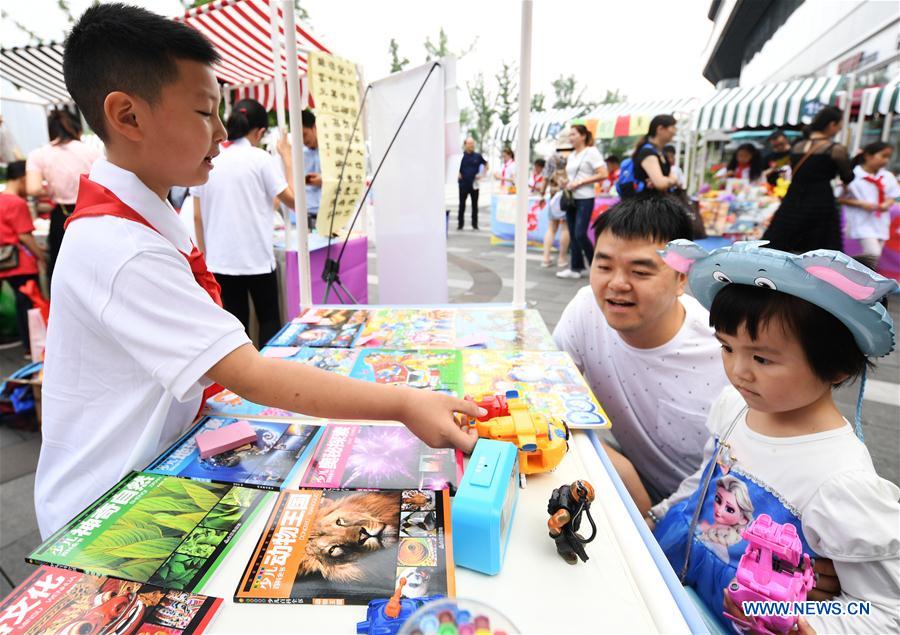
54	600
351	547
164	530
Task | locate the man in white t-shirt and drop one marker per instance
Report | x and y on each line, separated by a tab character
644	347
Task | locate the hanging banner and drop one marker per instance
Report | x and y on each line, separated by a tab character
335	89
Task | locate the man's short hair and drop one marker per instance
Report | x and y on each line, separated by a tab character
118	47
308	119
652	216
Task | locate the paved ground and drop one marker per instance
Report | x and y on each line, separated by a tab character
478	272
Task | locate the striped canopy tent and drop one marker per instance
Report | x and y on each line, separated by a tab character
882	99
787	103
544	125
628	119
241	31
38	70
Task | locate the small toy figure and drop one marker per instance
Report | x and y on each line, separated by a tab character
773	568
567	504
386	616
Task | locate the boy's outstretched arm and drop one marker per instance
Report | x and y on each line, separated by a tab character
319	393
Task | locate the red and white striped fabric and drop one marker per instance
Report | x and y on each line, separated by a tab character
241	32
265	94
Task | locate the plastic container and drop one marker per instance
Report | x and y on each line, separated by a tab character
458	616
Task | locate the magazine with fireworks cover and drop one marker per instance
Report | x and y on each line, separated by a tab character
409	329
438	370
379	456
275	458
503	329
163	530
54	600
229	404
351	547
332	328
549	382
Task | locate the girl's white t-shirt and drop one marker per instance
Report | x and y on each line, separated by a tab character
862	223
236	205
583	165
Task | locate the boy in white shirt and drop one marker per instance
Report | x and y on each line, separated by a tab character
135	331
644	347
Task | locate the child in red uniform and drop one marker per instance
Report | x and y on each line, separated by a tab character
15	229
136	327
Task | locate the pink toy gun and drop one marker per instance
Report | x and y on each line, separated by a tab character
773	568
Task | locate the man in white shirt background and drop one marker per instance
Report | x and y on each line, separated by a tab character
644	347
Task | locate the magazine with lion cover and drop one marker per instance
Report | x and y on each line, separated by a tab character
163	530
351	547
54	600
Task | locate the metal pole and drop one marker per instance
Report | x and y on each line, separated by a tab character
522	147
848	104
299	179
277	79
886	129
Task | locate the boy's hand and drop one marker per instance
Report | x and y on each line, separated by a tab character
314	179
430	416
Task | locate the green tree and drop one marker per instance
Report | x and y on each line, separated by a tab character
397	63
507	93
483	106
442	48
614	97
568	95
537	102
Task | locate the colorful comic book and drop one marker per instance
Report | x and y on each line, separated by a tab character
351	547
63	602
409	329
380	457
548	380
439	370
162	530
274	459
503	329
332	328
229	404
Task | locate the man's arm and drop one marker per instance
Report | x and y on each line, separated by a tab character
319	393
28	240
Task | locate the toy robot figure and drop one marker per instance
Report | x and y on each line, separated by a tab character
566	507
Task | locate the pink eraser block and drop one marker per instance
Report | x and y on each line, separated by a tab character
226	438
280	352
310	317
471	340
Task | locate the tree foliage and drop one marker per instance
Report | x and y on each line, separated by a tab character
483	106
397	63
507	93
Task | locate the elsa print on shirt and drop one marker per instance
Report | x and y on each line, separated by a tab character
732	512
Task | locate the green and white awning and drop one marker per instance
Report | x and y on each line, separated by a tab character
784	103
882	99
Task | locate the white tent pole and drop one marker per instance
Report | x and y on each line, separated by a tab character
886	129
277	79
847	105
856	135
523	164
299	179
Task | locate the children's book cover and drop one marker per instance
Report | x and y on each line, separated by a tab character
332	328
503	329
409	329
439	370
277	455
380	457
549	381
163	530
336	360
64	602
350	547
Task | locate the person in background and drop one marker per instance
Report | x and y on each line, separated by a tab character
868	198
650	165
746	164
536	180
808	217
507	172
584	167
55	169
234	219
612	167
778	159
16	229
671	155
312	168
9	151
470	168
555	180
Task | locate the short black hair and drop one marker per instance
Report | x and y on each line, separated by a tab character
613	158
829	345
308	119
777	134
654	216
540	163
15	170
247	115
118	47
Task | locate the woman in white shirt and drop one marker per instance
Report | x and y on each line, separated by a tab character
233	214
507	172
584	167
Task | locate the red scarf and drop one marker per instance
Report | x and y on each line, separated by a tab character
878	182
95	200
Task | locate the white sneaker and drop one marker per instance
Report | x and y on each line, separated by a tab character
568	273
